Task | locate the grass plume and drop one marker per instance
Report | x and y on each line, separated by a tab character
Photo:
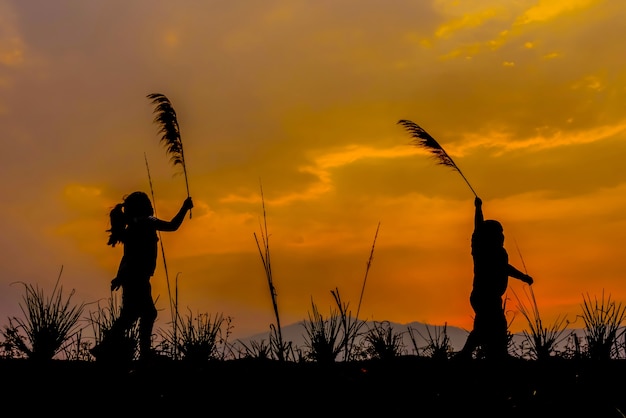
422	139
167	120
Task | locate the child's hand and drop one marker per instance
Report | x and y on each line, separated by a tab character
188	203
527	279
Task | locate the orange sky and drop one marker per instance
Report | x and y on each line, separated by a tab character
302	99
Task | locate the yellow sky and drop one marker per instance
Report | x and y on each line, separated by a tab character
301	99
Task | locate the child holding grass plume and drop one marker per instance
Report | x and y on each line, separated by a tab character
134	225
491	273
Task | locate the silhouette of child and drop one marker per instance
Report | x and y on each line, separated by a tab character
491	274
134	225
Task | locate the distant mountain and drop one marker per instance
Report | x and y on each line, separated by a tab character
422	334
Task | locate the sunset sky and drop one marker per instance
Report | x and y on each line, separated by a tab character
300	100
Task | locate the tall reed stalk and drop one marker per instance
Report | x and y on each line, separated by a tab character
173	304
351	327
367	269
352	330
276	337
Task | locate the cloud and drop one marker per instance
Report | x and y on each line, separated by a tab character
550	10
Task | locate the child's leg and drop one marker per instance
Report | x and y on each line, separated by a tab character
146	324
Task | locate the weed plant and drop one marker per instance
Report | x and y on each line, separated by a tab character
437	342
382	342
540	342
198	338
257	349
101	321
323	339
603	320
48	326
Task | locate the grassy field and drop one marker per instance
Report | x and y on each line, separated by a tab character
347	367
404	386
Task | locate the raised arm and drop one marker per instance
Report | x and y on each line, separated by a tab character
478	214
177	220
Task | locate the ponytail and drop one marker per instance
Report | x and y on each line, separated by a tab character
118	225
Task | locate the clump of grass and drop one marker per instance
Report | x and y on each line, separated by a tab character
262	350
603	320
48	326
103	318
322	337
8	349
437	346
351	326
329	337
540	342
256	349
127	348
382	342
198	338
573	348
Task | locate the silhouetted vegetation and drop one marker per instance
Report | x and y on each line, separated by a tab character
198	338
541	342
437	342
556	373
49	325
603	327
53	327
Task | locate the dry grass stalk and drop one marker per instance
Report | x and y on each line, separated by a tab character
351	327
173	302
276	338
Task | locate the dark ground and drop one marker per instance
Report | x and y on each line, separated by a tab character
407	386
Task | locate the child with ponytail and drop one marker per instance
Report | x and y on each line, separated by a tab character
134	225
